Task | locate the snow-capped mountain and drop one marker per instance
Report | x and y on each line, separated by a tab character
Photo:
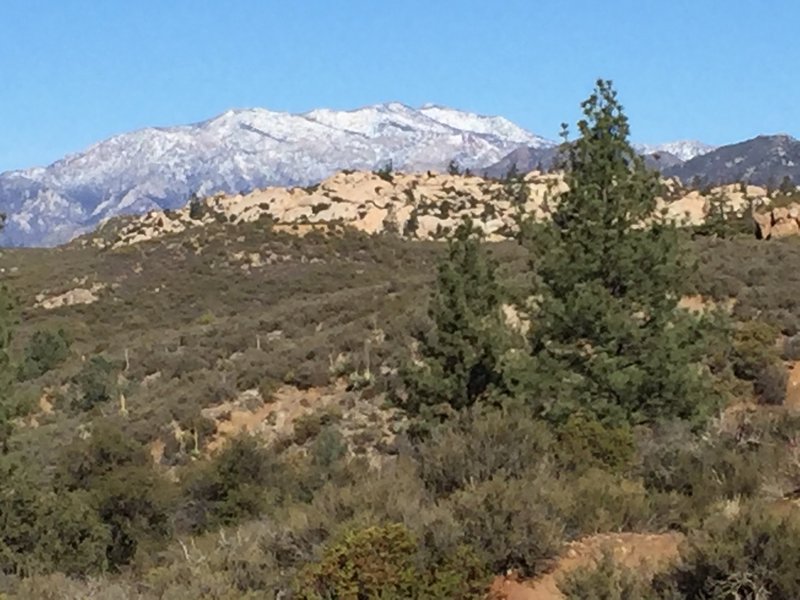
240	150
682	149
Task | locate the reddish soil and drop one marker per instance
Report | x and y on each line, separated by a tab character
646	551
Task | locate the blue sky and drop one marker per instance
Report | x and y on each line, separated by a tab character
73	72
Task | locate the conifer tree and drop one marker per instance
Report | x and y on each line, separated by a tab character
607	335
459	356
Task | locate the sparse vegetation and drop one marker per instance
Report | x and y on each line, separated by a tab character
353	416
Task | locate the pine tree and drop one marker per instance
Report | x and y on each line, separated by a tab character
196	207
459	356
721	219
787	187
607	335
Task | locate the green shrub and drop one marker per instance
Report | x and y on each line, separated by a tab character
45	351
385	172
770	384
754	348
709	468
755	555
382	562
480	444
133	501
584	443
96	381
238	483
603	501
605	580
376	562
510	523
41	532
791	348
307	427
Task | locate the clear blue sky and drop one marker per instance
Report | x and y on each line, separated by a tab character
73	72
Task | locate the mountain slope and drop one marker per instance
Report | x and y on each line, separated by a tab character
763	160
530	158
238	151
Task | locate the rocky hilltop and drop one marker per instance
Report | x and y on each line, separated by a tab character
420	206
240	150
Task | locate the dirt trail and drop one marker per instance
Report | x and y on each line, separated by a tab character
647	551
792	401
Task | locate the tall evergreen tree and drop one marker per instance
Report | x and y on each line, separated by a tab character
607	335
459	356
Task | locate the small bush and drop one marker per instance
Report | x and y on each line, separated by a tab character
238	483
376	562
770	385
605	580
602	501
584	443
754	349
756	555
510	523
96	382
481	444
791	348
309	426
383	562
45	351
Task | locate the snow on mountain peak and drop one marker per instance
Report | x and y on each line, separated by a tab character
682	149
239	150
484	125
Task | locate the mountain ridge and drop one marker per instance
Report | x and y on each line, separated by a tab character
239	150
243	149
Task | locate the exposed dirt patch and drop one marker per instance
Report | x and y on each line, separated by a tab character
648	552
45	406
792	401
366	425
700	304
156	449
269	420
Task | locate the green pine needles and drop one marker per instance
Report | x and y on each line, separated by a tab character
606	273
458	358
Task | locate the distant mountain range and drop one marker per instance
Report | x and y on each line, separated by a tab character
661	157
240	150
764	160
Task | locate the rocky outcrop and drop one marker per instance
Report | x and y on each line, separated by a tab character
417	206
77	295
420	206
779	222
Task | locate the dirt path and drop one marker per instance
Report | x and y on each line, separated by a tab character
640	550
792	401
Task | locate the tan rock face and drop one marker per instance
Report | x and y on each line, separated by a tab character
763	224
780	222
417	205
75	296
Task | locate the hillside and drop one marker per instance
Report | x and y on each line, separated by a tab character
764	160
236	327
346	391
